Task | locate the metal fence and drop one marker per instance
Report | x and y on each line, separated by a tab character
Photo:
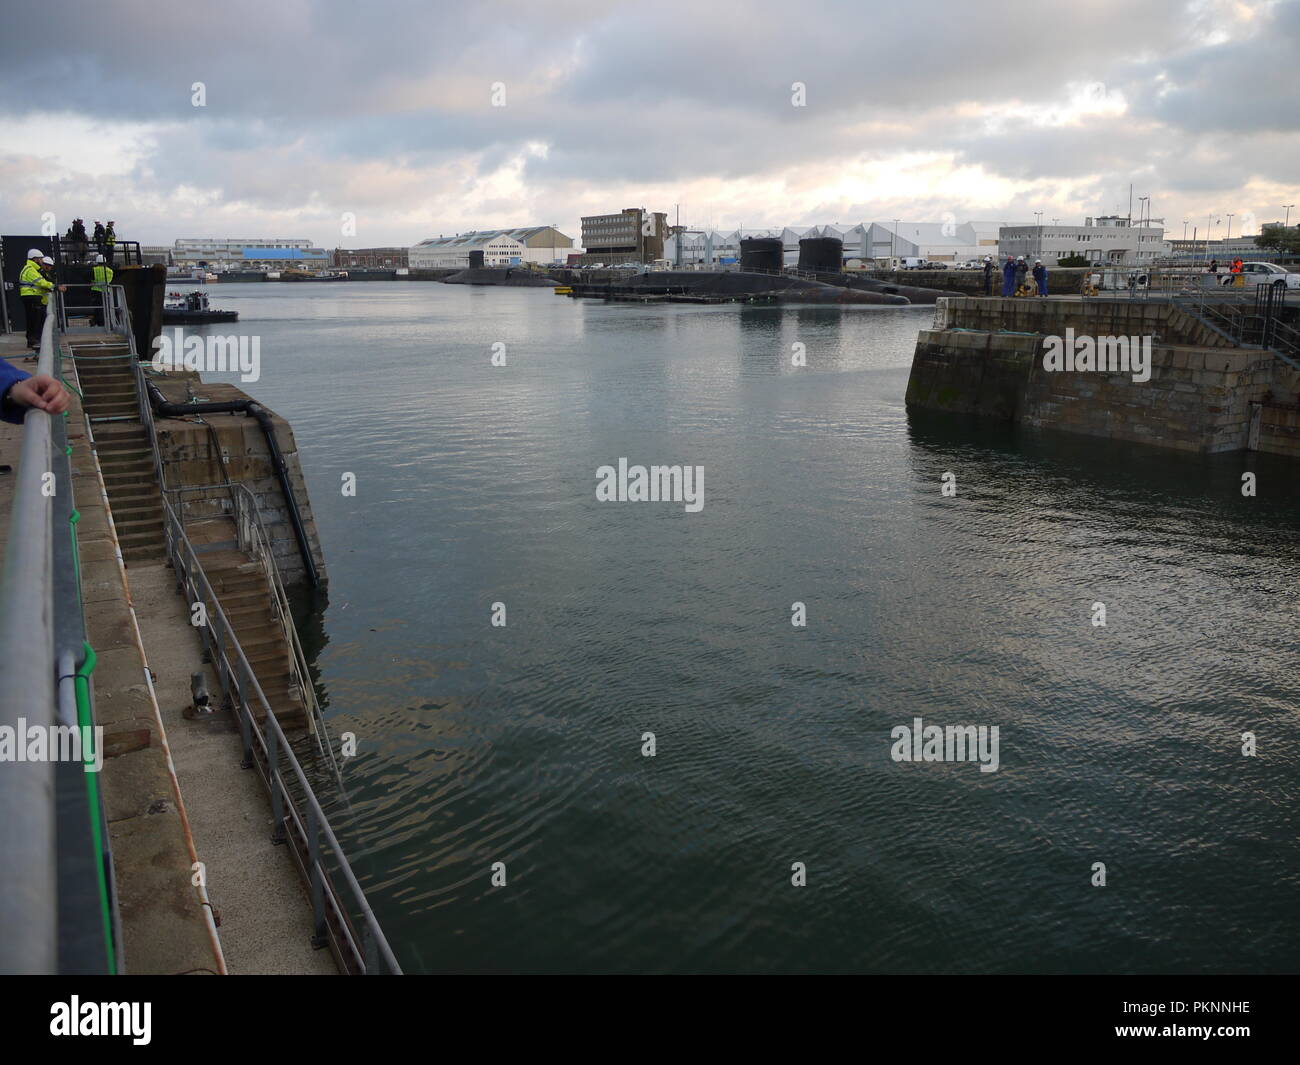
1264	315
297	814
57	912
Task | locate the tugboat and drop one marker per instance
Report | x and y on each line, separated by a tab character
191	308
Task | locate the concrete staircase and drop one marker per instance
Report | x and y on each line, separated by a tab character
135	500
125	457
246	596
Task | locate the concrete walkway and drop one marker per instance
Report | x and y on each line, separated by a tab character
172	787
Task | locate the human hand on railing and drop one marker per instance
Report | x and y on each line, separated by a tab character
42	392
63	288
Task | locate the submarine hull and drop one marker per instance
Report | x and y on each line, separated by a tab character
737	284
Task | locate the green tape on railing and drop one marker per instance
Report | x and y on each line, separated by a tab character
73	518
84	719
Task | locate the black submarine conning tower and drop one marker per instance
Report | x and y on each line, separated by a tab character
476	260
762	253
821	255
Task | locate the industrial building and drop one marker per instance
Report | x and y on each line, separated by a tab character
634	235
1108	239
706	247
234	253
369	258
500	247
944	242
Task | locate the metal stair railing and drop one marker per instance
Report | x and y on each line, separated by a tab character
1246	317
252	538
308	830
266	747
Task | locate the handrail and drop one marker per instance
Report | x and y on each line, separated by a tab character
265	746
1246	316
29	864
252	531
253	537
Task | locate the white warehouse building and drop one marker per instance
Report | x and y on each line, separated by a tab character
943	242
500	247
453	252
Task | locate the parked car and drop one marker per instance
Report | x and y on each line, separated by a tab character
1267	274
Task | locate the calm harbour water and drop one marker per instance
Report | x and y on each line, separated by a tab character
522	745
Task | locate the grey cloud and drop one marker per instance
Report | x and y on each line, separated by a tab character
300	94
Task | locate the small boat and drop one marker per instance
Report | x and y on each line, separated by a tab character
191	308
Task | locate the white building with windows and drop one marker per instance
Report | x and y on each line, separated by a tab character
1109	239
246	253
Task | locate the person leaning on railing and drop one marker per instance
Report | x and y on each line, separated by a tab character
20	392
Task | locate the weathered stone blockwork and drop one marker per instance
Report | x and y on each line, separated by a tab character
985	357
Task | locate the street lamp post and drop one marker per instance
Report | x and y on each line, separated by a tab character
1288	207
1228	238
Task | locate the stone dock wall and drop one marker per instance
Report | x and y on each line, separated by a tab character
985	357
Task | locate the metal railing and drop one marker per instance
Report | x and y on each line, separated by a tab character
54	850
252	538
265	746
1246	315
28	854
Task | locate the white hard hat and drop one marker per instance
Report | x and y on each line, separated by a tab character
35	253
47	260
99	258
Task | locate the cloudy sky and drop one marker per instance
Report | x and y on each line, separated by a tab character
386	110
